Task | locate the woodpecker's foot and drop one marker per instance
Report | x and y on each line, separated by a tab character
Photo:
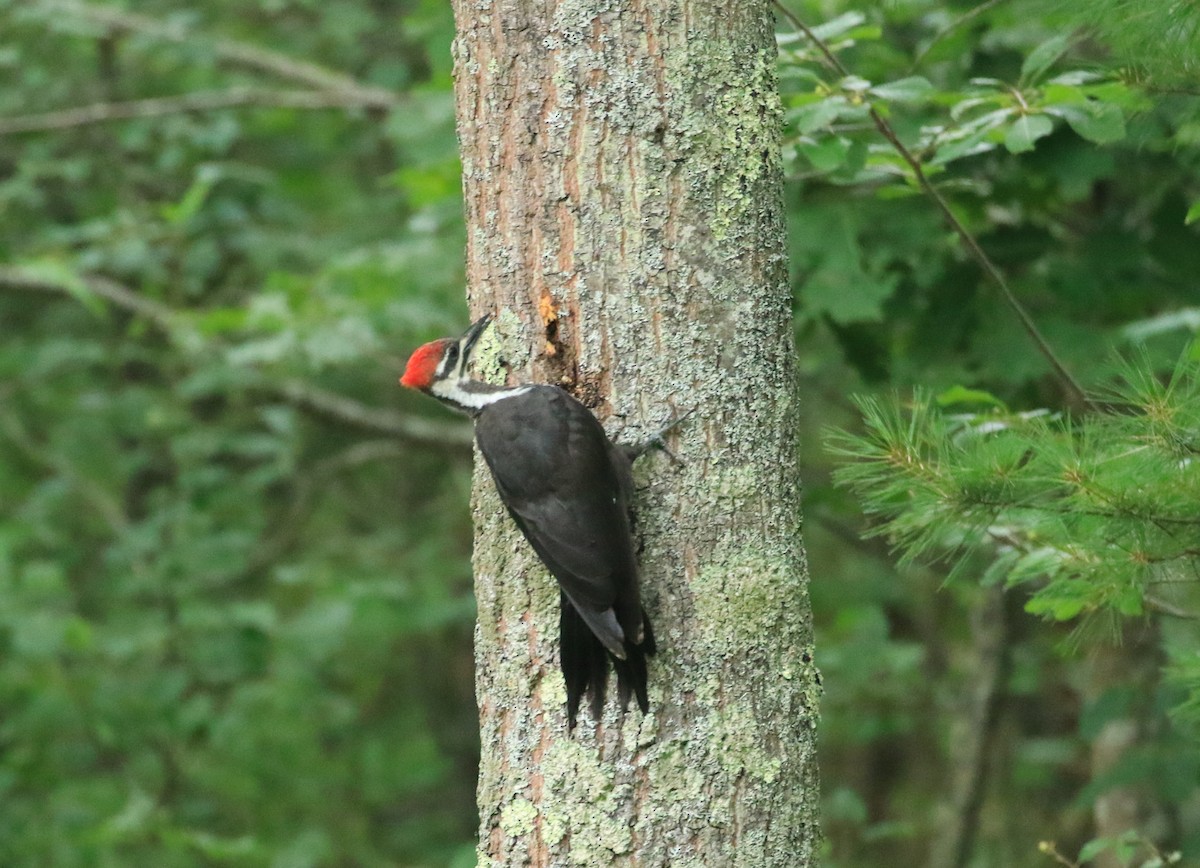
657	441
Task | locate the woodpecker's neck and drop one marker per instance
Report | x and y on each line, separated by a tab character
471	396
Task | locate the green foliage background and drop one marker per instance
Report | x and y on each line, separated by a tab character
235	609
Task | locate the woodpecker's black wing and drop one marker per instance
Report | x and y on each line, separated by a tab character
567	488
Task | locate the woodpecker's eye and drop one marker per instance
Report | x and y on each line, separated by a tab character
452	356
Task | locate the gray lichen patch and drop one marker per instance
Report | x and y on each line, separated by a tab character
732	143
746	604
591	807
738	733
742	599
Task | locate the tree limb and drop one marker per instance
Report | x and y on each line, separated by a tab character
161	316
991	631
232	51
199	101
322	402
1074	390
1163	607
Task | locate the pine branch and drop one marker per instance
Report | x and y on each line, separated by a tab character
1074	390
199	101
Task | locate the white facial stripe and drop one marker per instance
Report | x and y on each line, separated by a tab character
460	370
452	391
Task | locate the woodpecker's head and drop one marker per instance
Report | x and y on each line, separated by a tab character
442	362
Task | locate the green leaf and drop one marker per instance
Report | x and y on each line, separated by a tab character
827	153
193	200
1027	130
1076	77
839	25
856	159
830	30
1098	122
913	89
1183	319
855	84
867	31
1128	601
963	395
1193	214
1057	608
1043	57
838	283
817	115
1093	848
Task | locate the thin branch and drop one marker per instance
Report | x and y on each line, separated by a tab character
1170	91
1163	607
161	316
446	435
199	101
990	269
966	17
307	484
240	53
425	432
94	495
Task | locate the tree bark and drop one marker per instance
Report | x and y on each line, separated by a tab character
623	193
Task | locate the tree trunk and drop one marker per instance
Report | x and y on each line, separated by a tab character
624	210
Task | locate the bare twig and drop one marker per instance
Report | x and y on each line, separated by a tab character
199	101
1077	395
425	432
232	51
1051	850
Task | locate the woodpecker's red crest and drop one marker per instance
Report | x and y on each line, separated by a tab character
423	364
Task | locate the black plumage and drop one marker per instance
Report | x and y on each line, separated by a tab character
568	487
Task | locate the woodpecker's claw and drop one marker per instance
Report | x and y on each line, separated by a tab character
656	441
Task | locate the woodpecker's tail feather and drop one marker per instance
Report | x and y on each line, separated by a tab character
631	672
585	660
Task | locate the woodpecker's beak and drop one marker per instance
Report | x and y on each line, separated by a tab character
467	342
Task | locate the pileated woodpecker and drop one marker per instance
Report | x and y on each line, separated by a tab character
568	487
